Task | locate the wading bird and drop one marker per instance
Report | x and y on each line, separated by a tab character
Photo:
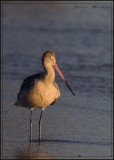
40	90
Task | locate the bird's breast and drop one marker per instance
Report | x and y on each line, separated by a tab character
43	94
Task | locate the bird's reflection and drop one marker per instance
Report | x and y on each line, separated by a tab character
35	149
32	152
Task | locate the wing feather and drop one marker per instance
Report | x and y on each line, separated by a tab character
29	82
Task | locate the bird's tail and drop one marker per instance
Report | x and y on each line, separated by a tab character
17	104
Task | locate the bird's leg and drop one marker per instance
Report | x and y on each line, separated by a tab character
31	120
40	125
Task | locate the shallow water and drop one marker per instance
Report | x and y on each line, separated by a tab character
81	36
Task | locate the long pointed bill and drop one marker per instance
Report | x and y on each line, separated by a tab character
62	77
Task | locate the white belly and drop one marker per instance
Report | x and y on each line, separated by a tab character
40	96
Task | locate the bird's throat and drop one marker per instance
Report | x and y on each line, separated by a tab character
50	74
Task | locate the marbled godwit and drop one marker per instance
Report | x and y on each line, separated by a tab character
40	90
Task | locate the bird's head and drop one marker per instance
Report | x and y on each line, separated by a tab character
49	59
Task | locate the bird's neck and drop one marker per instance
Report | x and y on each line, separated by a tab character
50	74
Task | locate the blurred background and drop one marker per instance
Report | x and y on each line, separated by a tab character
80	34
